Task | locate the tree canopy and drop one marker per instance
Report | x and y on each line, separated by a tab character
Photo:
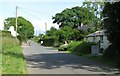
96	8
24	27
73	17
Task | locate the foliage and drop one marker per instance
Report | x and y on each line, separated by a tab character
73	17
111	14
96	8
24	27
13	61
38	38
78	35
35	39
80	48
65	33
41	36
63	47
51	32
6	34
48	41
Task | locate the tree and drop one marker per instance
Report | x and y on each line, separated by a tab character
73	17
25	28
96	8
51	31
111	14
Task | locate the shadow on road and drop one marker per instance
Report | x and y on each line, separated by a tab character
57	60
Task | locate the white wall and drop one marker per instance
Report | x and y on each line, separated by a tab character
105	43
96	39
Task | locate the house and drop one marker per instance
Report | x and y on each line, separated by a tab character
98	37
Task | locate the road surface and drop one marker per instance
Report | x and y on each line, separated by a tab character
46	60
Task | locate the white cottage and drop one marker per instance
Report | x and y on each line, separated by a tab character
98	37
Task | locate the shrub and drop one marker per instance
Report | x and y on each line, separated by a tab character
6	34
49	41
72	46
63	47
80	48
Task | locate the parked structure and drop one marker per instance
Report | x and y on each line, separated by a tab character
98	37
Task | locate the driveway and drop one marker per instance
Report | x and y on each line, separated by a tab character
46	60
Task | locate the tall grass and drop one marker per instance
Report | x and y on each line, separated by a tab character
13	61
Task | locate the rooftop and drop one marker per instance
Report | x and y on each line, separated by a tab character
97	33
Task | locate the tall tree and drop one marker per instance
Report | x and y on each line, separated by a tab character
95	7
111	14
51	32
73	17
25	28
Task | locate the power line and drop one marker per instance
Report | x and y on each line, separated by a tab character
35	11
32	15
27	13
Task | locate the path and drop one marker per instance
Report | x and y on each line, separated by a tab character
46	60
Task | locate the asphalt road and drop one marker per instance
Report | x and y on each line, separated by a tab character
46	60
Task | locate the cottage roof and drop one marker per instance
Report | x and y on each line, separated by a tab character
97	33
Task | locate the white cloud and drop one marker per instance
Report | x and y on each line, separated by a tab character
39	25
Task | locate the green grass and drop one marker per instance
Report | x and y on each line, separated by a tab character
13	61
83	49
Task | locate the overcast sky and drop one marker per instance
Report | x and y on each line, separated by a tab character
36	11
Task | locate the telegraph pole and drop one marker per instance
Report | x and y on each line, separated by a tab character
16	22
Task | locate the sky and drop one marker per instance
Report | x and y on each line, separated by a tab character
36	11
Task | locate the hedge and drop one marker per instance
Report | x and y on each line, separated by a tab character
80	47
48	41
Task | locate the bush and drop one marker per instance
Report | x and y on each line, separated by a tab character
6	34
63	47
80	48
49	41
71	46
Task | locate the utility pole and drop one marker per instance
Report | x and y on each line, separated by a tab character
16	22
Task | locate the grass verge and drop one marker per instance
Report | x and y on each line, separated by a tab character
84	49
13	61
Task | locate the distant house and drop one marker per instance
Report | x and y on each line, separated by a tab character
98	37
